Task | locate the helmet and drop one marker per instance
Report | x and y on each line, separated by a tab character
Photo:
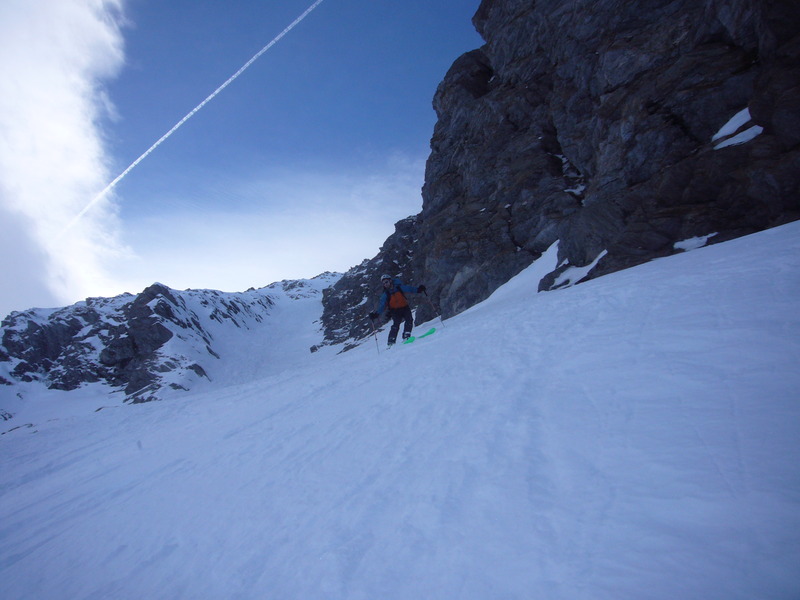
384	277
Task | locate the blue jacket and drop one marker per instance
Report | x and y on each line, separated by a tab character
397	286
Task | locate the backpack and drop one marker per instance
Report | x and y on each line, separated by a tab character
397	299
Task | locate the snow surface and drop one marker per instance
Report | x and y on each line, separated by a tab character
693	243
741	138
574	275
633	437
733	125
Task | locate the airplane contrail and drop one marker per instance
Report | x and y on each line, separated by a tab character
193	112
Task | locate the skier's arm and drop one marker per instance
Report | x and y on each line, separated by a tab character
381	304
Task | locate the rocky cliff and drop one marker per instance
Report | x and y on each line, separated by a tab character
617	129
141	345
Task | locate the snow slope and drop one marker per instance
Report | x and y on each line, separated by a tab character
633	437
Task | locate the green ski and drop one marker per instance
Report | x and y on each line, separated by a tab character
431	331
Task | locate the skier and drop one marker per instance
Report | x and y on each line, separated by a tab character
393	298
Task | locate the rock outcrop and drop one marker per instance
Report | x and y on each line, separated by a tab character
138	345
597	124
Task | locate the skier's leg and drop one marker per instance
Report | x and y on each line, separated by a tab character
408	322
396	319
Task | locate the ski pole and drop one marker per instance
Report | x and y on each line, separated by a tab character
375	333
433	308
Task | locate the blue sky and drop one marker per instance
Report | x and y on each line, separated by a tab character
301	165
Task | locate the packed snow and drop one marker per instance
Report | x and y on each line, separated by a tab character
632	437
693	243
741	138
725	136
733	124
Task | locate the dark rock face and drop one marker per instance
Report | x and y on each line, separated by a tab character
590	123
123	341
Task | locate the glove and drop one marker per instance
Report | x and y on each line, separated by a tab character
373	315
421	289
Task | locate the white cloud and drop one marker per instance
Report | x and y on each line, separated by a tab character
54	56
23	262
281	226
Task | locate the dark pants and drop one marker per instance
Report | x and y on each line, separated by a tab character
400	315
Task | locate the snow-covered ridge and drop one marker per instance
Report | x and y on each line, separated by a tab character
142	345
